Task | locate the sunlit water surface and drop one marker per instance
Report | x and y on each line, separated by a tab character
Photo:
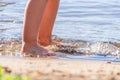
87	20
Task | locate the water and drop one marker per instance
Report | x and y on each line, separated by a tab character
88	20
92	57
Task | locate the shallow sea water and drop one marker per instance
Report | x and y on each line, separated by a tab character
88	20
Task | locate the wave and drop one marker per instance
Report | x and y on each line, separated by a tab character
71	49
80	47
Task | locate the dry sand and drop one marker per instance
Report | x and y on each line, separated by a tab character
51	68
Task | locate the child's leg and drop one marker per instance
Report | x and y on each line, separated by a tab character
33	15
47	22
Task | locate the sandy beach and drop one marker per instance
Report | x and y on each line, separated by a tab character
51	68
87	27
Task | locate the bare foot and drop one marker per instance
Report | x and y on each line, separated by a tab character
35	50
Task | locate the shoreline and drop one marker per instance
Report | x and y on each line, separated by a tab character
51	68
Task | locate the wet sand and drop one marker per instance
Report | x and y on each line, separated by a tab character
51	68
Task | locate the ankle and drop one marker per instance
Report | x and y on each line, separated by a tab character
29	42
44	42
26	46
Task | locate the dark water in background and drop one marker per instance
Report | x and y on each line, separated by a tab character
89	20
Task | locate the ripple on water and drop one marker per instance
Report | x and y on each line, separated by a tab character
93	21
